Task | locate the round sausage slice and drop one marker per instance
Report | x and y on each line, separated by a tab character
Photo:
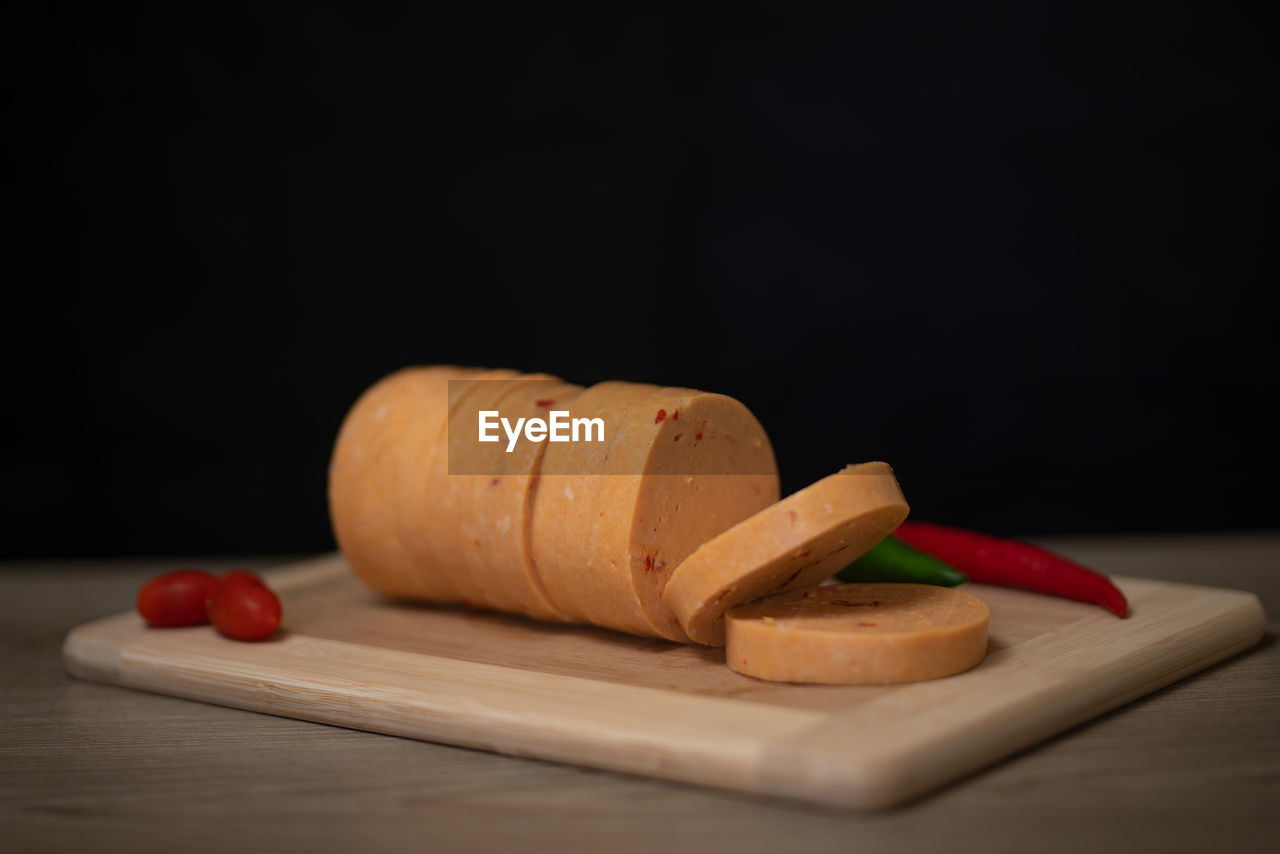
492	490
858	634
567	516
425	500
798	542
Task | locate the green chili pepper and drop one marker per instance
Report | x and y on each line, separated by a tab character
893	560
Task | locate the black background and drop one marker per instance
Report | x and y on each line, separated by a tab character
1019	254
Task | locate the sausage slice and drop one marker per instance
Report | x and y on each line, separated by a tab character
489	515
858	634
375	472
799	541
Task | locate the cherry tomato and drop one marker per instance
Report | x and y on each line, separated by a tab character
176	598
235	576
244	609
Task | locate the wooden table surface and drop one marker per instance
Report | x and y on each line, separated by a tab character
1194	767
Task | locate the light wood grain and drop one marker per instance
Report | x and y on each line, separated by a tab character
592	697
1193	767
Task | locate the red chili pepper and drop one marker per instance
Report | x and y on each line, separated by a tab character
1010	563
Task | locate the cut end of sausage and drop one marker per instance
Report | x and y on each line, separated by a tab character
611	521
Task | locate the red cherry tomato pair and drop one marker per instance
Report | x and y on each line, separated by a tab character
238	602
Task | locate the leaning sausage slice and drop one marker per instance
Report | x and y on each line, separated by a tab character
858	634
797	542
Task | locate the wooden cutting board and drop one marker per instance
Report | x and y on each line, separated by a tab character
594	697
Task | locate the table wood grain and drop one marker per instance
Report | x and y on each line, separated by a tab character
1194	766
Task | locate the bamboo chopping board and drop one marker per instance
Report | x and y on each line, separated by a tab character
645	706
